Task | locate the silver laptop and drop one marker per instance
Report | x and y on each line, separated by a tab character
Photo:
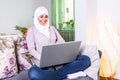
59	53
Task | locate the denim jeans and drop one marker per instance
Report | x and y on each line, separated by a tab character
81	63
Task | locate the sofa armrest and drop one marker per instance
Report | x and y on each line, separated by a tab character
92	52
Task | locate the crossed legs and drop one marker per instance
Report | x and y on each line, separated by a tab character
80	64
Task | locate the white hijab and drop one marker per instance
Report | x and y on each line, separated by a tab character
43	29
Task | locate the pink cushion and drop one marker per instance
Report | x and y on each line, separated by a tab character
24	61
8	65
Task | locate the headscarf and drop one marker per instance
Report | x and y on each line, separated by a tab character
43	29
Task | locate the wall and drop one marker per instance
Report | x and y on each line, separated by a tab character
85	18
80	20
91	20
18	12
109	9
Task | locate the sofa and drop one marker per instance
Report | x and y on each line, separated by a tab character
15	59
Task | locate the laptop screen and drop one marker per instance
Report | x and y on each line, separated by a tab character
59	53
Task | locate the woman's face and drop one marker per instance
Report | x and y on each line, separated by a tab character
43	19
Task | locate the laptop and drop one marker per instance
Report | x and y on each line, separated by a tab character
57	54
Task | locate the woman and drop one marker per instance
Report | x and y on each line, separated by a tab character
42	34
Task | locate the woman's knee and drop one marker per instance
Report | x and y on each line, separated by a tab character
34	73
84	59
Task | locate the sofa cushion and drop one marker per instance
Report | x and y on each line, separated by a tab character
23	56
8	66
23	75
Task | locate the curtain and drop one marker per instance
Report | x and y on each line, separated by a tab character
62	15
57	12
106	37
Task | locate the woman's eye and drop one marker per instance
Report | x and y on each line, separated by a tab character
46	16
41	16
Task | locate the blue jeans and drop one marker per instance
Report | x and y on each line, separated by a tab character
81	63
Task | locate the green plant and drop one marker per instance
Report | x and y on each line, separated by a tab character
23	30
69	22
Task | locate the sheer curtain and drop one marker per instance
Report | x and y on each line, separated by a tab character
57	12
107	38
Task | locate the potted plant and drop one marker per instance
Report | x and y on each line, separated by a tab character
69	25
23	30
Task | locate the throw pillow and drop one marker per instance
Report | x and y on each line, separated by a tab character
24	61
8	66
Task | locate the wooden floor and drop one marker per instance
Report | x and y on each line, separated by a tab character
107	78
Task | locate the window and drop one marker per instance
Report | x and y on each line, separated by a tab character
62	15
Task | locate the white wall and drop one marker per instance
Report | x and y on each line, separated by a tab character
85	17
80	20
109	9
18	12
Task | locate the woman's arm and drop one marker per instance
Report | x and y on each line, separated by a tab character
31	44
